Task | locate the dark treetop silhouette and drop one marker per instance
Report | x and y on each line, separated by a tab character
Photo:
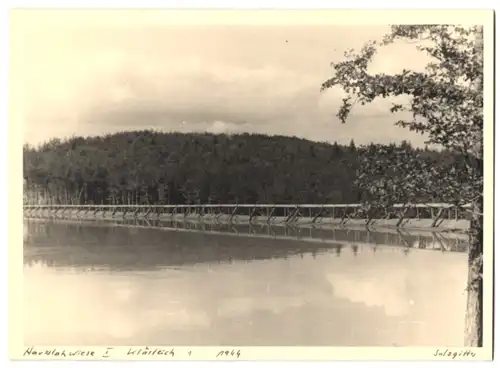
146	167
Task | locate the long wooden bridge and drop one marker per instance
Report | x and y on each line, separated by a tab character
423	215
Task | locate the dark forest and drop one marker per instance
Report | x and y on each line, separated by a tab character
148	167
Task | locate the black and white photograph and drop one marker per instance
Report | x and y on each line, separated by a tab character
249	182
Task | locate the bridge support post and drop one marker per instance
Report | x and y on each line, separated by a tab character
345	216
292	215
316	217
201	212
218	213
402	214
159	211
270	215
252	214
233	213
437	217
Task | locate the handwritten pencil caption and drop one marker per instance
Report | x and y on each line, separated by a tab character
109	352
453	354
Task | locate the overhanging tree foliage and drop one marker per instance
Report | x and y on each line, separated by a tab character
446	104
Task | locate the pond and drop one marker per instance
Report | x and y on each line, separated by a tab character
98	283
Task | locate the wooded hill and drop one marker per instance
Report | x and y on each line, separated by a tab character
148	167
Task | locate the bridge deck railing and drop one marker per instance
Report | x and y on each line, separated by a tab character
291	212
355	205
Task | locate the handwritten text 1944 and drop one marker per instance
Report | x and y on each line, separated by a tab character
107	353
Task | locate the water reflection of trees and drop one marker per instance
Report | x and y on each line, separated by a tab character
135	245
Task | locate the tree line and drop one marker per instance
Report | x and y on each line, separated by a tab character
149	167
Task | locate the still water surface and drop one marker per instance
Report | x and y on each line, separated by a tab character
98	284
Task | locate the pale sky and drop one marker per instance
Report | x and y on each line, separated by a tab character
75	73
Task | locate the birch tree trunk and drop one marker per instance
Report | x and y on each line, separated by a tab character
474	311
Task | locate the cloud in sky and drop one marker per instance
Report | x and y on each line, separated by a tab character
75	75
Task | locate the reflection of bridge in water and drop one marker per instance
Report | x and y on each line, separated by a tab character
404	240
457	242
146	244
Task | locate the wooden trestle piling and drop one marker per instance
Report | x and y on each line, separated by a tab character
427	215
